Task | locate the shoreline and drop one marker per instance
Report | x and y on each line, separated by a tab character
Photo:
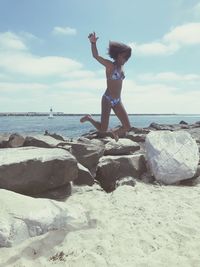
37	114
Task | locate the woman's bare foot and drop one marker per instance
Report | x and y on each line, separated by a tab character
115	135
85	118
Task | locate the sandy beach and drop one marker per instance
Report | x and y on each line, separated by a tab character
145	225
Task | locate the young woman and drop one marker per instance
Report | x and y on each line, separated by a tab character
120	53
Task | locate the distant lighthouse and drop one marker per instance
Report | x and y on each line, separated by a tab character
51	114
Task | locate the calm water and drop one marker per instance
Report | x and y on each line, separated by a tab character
69	126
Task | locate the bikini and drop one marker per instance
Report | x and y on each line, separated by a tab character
116	75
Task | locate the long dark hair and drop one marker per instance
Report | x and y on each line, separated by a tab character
116	48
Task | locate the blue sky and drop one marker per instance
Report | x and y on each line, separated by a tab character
45	57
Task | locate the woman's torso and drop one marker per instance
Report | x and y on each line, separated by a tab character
115	76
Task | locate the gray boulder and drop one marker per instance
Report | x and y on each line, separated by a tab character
16	140
165	127
171	156
183	122
84	176
121	147
40	140
87	153
139	130
23	217
31	170
195	133
54	135
112	168
4	138
59	193
136	137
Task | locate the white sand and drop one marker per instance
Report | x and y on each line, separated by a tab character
144	226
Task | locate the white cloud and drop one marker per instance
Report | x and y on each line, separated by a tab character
9	40
80	90
28	64
184	35
154	48
82	84
31	96
168	77
80	74
159	98
9	87
16	59
28	36
187	34
64	31
84	96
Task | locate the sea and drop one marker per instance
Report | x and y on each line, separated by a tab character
70	126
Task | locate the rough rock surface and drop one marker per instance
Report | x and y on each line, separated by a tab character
84	176
59	193
122	147
112	168
87	153
23	217
172	156
40	140
31	170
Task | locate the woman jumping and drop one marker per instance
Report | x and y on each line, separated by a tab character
111	99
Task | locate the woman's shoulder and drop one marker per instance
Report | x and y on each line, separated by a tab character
111	65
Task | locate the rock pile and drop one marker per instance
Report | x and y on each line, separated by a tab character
42	165
48	166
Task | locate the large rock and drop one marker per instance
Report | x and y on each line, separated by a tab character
31	170
59	193
84	176
23	217
55	136
4	138
195	133
88	153
40	140
172	156
122	147
16	140
136	137
11	140
163	127
112	168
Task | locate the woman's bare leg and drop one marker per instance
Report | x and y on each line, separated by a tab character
122	115
89	118
105	114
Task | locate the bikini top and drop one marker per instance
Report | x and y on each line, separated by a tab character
116	75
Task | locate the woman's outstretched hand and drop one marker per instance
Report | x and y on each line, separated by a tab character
92	37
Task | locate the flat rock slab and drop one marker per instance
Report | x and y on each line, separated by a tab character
23	217
124	146
172	156
31	170
40	140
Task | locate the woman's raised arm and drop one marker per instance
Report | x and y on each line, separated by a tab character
93	39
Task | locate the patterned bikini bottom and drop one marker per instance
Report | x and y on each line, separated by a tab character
113	101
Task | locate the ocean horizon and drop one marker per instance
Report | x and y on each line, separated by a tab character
69	125
35	113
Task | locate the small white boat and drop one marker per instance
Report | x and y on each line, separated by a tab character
51	114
